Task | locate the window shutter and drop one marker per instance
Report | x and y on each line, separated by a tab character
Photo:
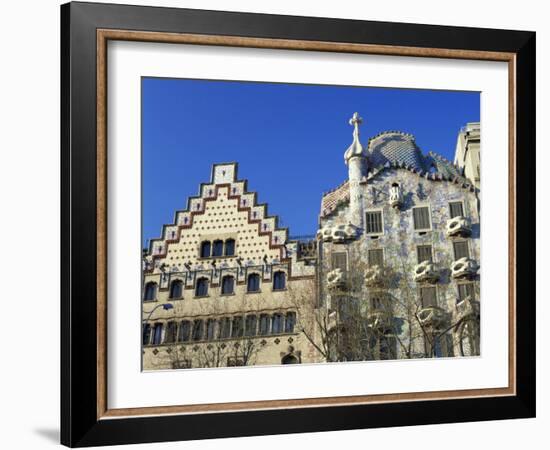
339	261
424	253
421	218
456	209
374	222
461	249
376	257
428	296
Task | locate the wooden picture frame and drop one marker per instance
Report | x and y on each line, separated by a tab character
86	418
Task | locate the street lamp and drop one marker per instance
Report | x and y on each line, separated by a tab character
165	306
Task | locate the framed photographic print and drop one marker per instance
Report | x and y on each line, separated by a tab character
277	224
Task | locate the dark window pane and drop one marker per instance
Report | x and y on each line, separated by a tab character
340	261
428	296
210	329
279	280
377	302
217	249
205	249
376	257
176	289
229	247
198	330
456	209
253	283
228	283
424	253
290	322
146	334
225	328
185	331
237	329
461	249
157	334
171	332
250	326
264	324
374	222
276	324
421	218
150	291
202	287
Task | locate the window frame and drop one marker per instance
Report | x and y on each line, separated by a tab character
381	249
333	254
225	247
370	211
458	286
155	292
421	298
275	275
462	206
197	287
255	275
460	241
222	287
202	244
431	259
422	230
170	292
217	244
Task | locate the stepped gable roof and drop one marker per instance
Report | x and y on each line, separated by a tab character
331	199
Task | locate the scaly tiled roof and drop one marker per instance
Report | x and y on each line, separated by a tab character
331	199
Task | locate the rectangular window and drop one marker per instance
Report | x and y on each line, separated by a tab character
421	218
428	296
376	257
340	261
225	328
465	290
157	334
210	329
374	222
250	326
171	333
197	330
461	249
237	329
456	209
185	331
424	253
264	324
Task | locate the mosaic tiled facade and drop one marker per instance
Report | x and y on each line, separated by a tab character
393	272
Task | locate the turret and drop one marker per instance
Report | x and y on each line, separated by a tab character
356	160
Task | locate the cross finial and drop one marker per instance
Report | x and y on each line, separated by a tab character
355	121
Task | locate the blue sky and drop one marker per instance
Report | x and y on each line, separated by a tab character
289	139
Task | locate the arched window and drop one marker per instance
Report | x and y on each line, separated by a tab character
264	324
229	247
250	326
217	249
157	334
276	323
176	289
146	334
253	283
290	359
185	331
279	281
150	291
228	284
290	322
205	249
198	330
171	333
201	289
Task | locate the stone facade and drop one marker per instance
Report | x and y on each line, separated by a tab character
393	271
216	285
